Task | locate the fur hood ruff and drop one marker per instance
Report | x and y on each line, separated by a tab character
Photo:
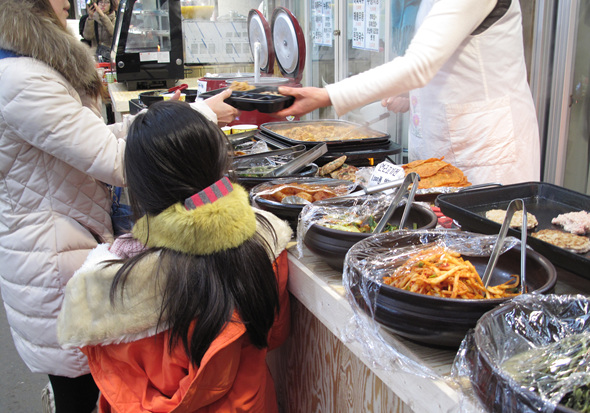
87	316
24	31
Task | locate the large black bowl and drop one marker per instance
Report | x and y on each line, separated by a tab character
439	321
510	329
332	244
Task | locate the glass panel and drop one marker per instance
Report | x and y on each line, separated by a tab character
365	36
322	44
577	172
149	28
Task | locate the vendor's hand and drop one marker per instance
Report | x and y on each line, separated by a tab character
397	104
307	99
225	113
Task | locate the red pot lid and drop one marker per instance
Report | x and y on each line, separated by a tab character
289	43
259	31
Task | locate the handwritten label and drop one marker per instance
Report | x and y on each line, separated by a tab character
386	172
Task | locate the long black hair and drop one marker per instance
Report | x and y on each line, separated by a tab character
172	153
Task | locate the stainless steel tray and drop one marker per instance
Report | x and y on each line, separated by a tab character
279	130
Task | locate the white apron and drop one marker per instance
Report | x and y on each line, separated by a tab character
478	111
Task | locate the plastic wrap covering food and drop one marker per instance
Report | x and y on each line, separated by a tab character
368	261
300	191
531	354
350	213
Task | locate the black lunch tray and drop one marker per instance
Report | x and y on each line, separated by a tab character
378	138
254	99
544	200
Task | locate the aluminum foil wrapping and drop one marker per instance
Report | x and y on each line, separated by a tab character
531	354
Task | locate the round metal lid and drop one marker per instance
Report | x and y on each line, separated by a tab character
289	43
225	76
259	31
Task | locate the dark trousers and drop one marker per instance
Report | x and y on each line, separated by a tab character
78	395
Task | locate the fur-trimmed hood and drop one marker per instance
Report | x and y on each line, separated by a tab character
24	31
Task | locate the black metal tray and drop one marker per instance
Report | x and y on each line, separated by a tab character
362	155
259	99
543	200
277	130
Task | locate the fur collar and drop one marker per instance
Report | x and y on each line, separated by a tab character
87	316
223	224
24	31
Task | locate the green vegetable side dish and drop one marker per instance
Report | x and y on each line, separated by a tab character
545	369
361	225
256	171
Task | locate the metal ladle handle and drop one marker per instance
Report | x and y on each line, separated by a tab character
512	208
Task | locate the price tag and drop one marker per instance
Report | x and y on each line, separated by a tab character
386	172
201	86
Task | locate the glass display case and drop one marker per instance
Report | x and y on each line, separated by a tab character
147	46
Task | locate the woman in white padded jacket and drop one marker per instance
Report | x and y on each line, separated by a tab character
469	97
56	157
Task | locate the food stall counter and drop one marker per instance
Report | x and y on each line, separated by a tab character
120	96
320	369
316	370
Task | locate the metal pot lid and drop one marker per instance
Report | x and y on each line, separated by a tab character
263	81
289	43
225	76
259	31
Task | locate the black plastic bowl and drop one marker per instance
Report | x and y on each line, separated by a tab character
153	96
495	338
332	244
439	321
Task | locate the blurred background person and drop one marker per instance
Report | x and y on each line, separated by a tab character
100	25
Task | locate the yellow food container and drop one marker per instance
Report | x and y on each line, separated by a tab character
243	128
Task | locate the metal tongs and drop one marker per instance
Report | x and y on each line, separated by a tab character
376	188
300	161
411	179
514	205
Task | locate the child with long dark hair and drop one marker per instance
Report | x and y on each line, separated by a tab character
184	323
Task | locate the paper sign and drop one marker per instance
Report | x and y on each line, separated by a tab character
386	172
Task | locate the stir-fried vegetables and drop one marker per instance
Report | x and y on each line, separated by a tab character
560	367
440	272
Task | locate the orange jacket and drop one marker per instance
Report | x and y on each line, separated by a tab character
143	376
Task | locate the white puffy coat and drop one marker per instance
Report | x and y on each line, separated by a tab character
56	156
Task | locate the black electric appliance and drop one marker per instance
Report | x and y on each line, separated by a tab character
147	50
